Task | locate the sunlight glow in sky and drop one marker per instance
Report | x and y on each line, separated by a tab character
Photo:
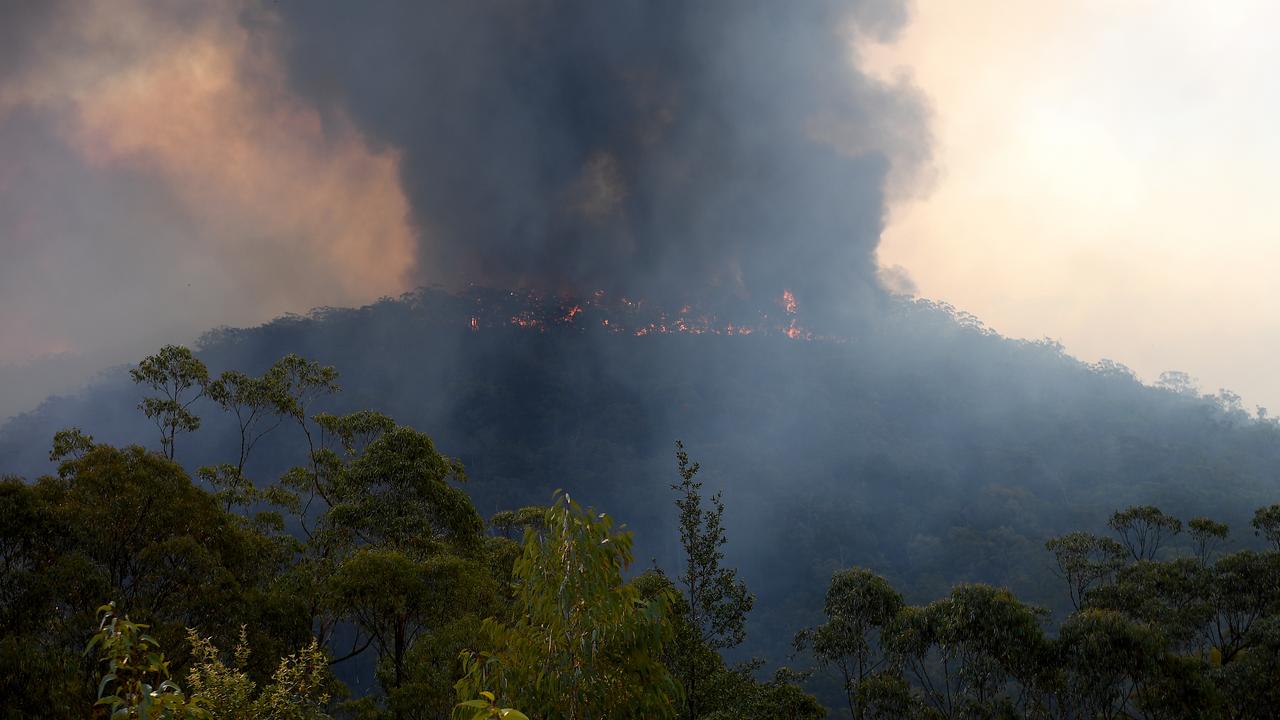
243	180
1107	173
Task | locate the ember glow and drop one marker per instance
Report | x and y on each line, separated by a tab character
530	310
789	302
793	331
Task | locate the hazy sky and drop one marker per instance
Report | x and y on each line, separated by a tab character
158	179
1104	173
1107	176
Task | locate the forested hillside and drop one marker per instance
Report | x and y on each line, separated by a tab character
916	444
919	448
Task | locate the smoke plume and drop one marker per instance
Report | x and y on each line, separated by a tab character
170	168
682	149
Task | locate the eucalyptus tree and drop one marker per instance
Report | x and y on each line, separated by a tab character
181	379
859	606
979	652
1266	523
1085	561
581	641
256	403
1207	534
1144	529
717	601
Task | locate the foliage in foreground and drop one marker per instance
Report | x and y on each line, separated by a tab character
369	548
583	643
1154	635
135	680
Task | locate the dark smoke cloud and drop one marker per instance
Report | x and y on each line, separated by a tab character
711	148
172	167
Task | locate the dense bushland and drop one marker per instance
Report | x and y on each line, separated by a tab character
370	550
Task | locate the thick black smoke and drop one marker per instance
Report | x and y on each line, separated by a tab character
689	149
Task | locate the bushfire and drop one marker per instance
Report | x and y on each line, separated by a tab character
529	310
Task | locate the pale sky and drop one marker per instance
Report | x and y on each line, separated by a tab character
1107	172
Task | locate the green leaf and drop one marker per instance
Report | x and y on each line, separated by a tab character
102	686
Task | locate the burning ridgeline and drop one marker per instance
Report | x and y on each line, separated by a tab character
531	310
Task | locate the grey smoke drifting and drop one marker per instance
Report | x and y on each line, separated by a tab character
157	178
683	149
168	168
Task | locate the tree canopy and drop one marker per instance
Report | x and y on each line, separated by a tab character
361	582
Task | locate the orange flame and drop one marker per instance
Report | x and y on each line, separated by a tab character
533	311
526	319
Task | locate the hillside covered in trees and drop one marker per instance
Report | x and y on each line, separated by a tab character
919	446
